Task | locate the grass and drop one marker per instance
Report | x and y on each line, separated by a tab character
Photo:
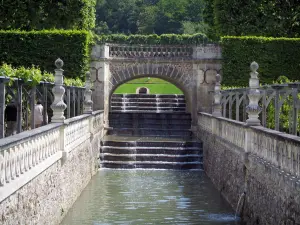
155	85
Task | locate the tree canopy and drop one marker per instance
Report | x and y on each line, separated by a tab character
150	16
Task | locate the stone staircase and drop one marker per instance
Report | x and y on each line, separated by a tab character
147	102
150	131
155	153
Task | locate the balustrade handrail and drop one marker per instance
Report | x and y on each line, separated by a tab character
274	105
22	137
275	147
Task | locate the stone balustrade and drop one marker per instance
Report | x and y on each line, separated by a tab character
24	156
253	166
205	121
76	132
149	51
275	148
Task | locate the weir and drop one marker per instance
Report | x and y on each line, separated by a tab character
256	169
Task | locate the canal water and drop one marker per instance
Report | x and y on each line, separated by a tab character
150	197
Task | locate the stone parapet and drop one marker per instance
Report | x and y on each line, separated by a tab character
44	170
255	166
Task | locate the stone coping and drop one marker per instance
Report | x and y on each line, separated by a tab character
11	141
24	136
276	134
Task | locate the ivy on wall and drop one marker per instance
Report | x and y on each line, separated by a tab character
276	57
42	48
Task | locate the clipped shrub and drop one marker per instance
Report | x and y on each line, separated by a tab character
275	56
42	48
164	39
45	14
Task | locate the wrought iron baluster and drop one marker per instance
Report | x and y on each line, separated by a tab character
73	102
32	105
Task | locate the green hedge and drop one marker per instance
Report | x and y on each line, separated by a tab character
34	75
275	56
46	14
42	48
164	39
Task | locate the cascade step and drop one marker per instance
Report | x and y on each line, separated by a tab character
150	132
153	165
154	100
169	116
151	157
151	150
148	104
155	153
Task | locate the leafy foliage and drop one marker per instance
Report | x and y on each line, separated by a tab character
275	56
148	16
274	18
42	48
154	39
47	14
34	75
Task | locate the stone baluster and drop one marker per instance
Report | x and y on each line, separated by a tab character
253	109
217	97
58	106
88	103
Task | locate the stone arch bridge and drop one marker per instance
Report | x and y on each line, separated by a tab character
191	68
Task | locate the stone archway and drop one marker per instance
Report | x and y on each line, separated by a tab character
191	68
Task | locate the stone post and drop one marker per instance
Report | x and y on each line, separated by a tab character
88	103
58	106
253	109
217	97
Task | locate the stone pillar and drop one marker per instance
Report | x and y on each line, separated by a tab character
98	69
217	107
58	106
253	109
88	103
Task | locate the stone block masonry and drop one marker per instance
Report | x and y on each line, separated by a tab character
261	162
46	169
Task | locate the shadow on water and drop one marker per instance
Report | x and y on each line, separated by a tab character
150	197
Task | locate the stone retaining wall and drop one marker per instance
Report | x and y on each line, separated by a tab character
260	162
54	178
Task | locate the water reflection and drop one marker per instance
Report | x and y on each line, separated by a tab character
150	197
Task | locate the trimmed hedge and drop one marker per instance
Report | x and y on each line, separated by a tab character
34	75
42	48
164	39
275	56
46	14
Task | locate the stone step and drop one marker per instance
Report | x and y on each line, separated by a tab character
130	121
159	126
150	157
152	165
148	104
152	150
150	144
150	115
150	132
149	108
158	100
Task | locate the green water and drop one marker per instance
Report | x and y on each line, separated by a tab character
150	197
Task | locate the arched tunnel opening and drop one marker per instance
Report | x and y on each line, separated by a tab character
149	106
150	127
